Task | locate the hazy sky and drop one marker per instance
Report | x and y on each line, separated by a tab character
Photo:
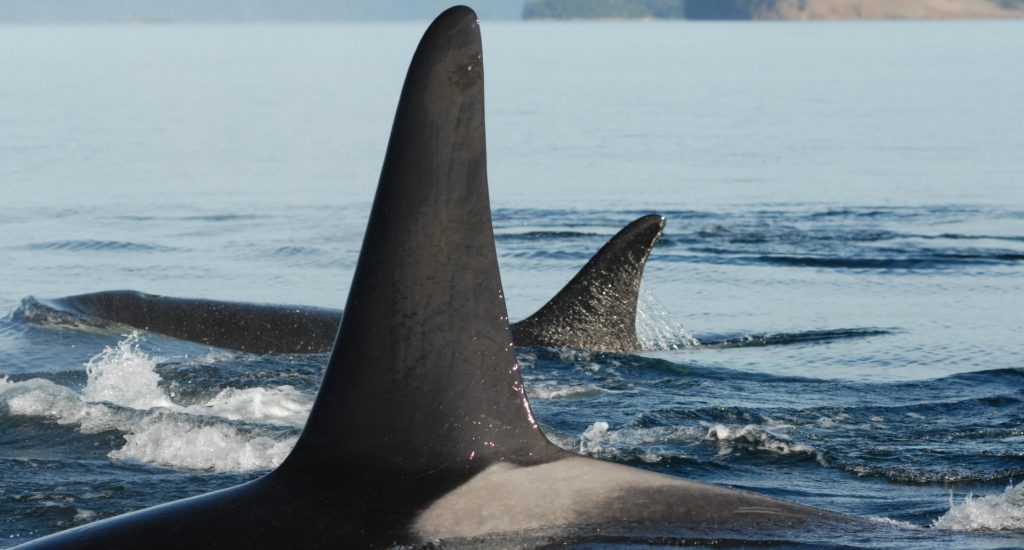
242	10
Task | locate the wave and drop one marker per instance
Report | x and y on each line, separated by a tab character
38	312
236	430
1013	377
898	260
839	239
673	443
174	442
291	251
919	476
964	237
759	439
957	429
554	390
789	338
190	217
102	246
223	217
744	235
896	213
998	512
578	217
544	235
643	444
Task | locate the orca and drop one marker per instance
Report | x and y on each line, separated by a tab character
595	311
421	429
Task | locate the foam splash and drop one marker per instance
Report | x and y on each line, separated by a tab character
83	516
601	442
758	438
123	393
283	406
999	512
657	329
177	443
124	375
882	520
42	398
552	390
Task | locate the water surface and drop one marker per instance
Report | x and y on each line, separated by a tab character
845	241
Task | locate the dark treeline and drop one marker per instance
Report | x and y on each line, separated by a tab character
593	9
728	9
661	9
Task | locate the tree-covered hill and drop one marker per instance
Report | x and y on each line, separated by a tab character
773	9
597	9
658	9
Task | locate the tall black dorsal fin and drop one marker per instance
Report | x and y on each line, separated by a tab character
597	309
423	375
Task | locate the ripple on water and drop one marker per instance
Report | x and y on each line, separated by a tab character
99	246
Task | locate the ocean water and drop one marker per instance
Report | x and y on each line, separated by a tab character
833	315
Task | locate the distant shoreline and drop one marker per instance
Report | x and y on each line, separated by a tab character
787	10
158	12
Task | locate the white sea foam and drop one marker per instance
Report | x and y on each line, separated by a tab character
1003	511
553	390
599	441
123	393
895	523
43	398
759	438
827	423
563	440
124	375
177	443
82	515
283	405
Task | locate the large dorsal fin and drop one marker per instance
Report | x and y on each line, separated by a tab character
423	375
596	310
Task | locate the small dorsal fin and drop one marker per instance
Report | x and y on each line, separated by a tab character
597	309
423	375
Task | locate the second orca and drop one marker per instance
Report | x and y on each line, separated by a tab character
595	311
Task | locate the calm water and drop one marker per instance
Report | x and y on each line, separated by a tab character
845	237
